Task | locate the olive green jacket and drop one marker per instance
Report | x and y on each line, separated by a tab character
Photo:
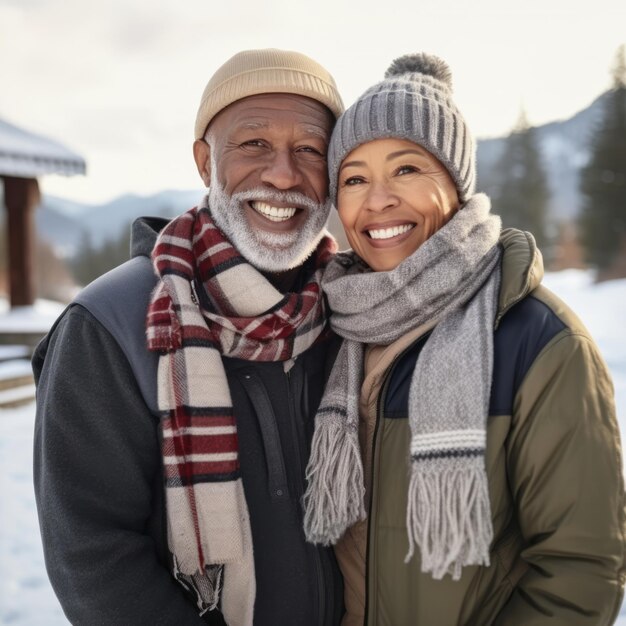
554	470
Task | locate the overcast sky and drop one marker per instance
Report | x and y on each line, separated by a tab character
119	81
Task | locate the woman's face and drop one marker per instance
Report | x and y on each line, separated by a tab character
392	196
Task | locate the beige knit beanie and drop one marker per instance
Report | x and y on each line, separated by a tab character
254	72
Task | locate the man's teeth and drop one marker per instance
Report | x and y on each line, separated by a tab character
275	214
388	233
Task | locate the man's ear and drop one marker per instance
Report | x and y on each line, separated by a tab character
202	157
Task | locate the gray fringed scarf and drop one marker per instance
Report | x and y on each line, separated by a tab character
453	279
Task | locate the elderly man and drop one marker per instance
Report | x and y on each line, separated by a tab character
169	472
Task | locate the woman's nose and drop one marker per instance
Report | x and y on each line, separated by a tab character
281	171
380	197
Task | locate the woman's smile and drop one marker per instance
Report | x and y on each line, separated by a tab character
388	233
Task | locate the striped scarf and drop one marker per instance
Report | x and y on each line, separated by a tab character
209	302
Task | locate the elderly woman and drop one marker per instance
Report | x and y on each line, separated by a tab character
466	458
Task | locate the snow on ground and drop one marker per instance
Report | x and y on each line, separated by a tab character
26	598
25	319
15	368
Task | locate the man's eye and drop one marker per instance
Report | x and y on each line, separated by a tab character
310	152
253	143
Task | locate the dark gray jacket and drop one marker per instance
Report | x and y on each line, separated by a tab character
98	473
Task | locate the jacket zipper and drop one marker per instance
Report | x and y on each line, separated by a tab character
370	522
379	416
297	437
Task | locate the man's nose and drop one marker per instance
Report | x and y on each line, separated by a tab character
282	171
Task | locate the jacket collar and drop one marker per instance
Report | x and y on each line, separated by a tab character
522	268
143	235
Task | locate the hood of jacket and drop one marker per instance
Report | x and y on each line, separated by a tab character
143	235
522	268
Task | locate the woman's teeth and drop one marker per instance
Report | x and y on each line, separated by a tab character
388	233
275	214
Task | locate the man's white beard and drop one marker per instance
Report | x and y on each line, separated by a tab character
268	251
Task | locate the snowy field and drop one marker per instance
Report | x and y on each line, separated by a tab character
26	598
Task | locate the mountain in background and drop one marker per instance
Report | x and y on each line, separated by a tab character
58	226
66	224
564	148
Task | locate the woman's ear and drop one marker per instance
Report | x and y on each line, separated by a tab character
202	157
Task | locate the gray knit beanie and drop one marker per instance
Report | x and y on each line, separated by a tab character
414	102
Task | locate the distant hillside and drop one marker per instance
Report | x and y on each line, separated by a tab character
108	221
564	148
563	145
61	224
58	227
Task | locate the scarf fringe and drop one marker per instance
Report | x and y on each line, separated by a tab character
334	499
449	518
205	587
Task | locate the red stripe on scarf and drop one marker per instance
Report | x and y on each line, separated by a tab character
205	444
204	468
225	419
196	333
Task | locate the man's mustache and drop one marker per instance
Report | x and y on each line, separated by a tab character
290	198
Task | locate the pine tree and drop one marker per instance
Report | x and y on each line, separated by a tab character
603	180
91	262
520	189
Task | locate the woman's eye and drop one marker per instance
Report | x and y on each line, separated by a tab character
407	169
353	180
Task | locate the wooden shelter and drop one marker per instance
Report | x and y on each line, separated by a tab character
24	156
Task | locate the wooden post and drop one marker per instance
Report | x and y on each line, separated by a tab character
21	196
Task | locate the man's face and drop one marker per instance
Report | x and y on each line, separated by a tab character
265	163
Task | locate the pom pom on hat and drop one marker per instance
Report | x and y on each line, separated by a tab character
421	63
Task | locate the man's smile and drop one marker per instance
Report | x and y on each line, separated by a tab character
273	213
